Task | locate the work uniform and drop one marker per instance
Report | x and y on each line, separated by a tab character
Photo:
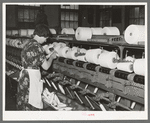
30	85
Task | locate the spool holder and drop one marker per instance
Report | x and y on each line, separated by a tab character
91	66
69	61
121	74
104	70
139	79
79	64
61	59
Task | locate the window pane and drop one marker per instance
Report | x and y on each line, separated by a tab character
67	7
26	15
76	16
72	7
62	7
141	12
100	15
67	24
141	21
132	13
71	16
71	24
20	15
62	24
100	23
62	15
107	15
135	21
138	15
136	12
75	25
67	16
76	6
31	15
35	13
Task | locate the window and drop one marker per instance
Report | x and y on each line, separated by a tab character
27	15
136	15
69	16
105	16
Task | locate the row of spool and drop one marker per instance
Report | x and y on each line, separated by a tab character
15	43
108	59
133	34
104	58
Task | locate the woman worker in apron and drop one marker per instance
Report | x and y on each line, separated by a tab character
30	86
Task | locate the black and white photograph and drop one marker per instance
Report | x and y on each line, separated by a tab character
67	61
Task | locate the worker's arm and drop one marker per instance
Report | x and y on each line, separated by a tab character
48	61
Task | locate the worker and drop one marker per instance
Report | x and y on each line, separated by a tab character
30	86
41	18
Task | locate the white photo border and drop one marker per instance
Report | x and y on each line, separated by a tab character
74	115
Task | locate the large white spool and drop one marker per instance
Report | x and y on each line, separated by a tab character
139	66
83	33
23	32
68	54
62	44
17	43
47	48
110	31
135	34
81	58
108	59
67	31
13	42
20	45
63	51
92	55
55	43
15	32
57	48
30	32
82	50
53	31
71	54
10	42
125	66
75	48
97	31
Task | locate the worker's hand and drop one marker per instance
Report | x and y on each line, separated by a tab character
52	55
48	48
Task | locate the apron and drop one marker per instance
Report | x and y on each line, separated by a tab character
35	88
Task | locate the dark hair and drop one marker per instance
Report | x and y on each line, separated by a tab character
42	30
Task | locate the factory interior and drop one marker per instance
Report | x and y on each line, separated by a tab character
100	63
